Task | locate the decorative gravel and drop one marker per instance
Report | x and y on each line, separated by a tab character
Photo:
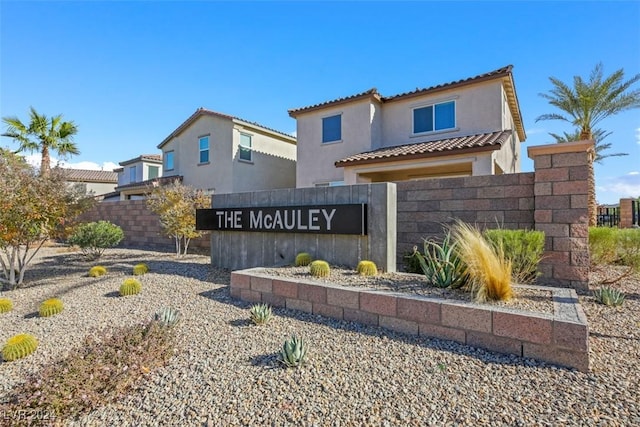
225	370
525	298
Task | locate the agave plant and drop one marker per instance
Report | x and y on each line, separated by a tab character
294	352
441	264
609	296
167	316
260	314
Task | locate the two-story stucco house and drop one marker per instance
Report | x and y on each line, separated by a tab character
218	153
136	175
466	127
91	182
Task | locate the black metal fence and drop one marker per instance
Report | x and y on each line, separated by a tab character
635	212
608	216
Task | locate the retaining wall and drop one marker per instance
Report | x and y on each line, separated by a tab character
561	338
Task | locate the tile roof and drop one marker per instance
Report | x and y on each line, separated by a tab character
85	175
504	73
155	158
204	112
479	142
163	180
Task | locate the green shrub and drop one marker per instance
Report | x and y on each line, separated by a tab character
97	271
411	262
167	317
94	237
294	352
303	259
367	268
130	287
603	245
50	307
140	269
19	346
609	296
260	314
5	305
629	247
524	248
441	264
319	268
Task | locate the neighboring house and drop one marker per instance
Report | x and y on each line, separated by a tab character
218	153
136	176
462	128
91	182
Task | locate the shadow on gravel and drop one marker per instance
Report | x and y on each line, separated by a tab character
271	361
114	294
239	323
222	295
614	337
32	315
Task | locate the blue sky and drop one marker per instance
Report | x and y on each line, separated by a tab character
128	73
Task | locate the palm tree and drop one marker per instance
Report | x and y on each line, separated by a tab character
586	104
598	137
43	134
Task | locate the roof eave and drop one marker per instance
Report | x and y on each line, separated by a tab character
366	95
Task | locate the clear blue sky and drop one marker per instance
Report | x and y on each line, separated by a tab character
128	73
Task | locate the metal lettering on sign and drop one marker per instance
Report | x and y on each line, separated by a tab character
326	219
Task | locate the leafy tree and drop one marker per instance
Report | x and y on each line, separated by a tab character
586	104
176	206
95	237
44	134
33	209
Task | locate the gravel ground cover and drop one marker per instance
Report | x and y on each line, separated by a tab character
225	370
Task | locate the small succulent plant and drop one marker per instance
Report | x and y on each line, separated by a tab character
5	305
167	316
50	307
319	268
303	259
367	268
260	314
97	271
140	269
294	352
19	346
609	296
130	287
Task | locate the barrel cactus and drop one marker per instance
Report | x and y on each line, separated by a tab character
167	316
319	268
260	314
303	259
97	271
294	352
51	307
19	346
140	269
130	287
367	268
5	305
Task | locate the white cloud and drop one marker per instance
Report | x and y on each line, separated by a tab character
535	131
295	133
36	159
614	189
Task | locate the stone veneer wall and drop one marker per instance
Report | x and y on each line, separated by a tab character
141	227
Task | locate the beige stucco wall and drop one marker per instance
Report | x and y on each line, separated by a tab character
316	160
95	188
272	166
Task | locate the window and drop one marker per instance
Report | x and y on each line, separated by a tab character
204	149
434	117
153	172
330	184
132	174
168	160
245	147
332	128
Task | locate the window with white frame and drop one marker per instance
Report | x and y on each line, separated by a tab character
132	174
203	145
332	128
434	117
153	172
245	147
168	160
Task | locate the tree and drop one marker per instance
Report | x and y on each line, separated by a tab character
32	210
586	104
598	137
44	134
176	206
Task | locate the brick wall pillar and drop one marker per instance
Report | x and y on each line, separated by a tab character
626	215
560	202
